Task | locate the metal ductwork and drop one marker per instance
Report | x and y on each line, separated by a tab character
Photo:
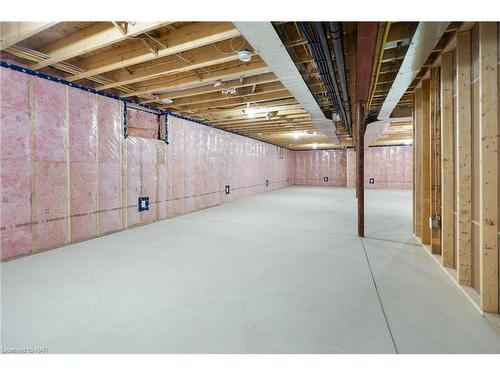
423	42
263	38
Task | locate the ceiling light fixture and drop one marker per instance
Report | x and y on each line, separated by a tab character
245	55
167	101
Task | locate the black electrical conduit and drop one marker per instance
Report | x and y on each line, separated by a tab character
331	70
320	62
336	30
323	60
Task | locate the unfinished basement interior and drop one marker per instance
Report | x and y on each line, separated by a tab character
250	187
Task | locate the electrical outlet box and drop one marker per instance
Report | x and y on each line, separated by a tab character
227	189
371	180
143	204
325	179
267	182
434	222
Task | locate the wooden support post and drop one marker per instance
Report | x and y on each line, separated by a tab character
417	133
464	159
488	173
447	161
414	193
360	152
435	165
425	161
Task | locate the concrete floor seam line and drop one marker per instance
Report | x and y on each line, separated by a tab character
378	296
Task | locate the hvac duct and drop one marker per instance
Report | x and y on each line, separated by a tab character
263	38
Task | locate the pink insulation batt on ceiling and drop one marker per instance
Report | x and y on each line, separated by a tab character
15	153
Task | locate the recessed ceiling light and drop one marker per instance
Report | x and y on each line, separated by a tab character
245	55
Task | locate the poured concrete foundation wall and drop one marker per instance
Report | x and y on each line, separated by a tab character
68	174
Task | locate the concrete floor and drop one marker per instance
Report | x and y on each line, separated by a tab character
281	272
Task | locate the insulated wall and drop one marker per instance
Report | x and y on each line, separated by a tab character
389	167
68	174
321	167
203	161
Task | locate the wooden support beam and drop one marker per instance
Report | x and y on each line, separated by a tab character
190	60
417	165
176	41
488	173
14	32
98	35
218	97
434	157
426	161
223	71
447	161
210	88
464	159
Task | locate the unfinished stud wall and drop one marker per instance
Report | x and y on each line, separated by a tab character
469	110
391	167
67	173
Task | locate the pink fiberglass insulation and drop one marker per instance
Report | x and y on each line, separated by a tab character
161	205
390	167
351	167
149	177
110	170
15	205
82	107
321	167
189	166
50	164
134	173
142	124
176	183
106	173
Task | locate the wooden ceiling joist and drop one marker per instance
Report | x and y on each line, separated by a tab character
186	80
91	38
15	32
210	88
191	36
187	61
